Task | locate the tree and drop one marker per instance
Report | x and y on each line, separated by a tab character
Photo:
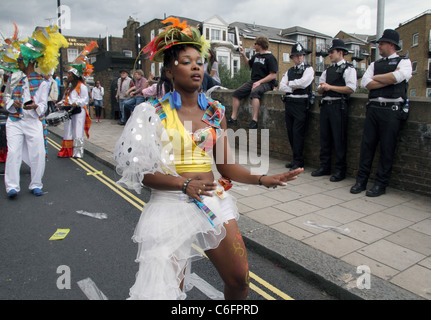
238	79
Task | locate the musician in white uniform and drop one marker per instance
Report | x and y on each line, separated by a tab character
24	132
27	104
76	97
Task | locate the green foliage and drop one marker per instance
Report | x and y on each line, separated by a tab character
239	78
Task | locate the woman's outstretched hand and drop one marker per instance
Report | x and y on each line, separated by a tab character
280	179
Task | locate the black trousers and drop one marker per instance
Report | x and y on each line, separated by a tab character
296	115
333	134
382	124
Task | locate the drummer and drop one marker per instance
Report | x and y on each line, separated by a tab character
28	103
76	101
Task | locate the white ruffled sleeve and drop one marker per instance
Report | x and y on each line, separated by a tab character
143	148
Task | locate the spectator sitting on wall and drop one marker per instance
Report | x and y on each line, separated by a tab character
264	68
136	91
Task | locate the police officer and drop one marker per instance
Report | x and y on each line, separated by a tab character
297	83
386	79
336	84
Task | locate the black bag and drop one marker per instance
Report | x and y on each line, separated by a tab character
72	110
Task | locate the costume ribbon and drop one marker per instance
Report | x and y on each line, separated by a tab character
210	215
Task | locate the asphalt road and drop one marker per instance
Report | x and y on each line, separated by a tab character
32	267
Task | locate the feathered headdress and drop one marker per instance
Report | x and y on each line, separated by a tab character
9	52
80	67
176	34
43	48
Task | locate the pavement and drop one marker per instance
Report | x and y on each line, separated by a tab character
353	246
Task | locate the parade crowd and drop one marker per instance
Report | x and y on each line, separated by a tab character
188	207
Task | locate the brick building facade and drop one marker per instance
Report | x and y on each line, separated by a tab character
416	40
116	53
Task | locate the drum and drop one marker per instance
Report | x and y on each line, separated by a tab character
56	118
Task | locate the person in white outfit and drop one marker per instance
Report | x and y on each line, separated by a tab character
26	102
76	100
76	97
25	130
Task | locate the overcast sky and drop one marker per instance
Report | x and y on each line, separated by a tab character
93	18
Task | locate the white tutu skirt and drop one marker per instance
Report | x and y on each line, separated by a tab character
171	233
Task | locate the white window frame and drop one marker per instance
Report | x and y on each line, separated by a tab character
414	67
238	64
128	53
302	40
321	45
72	54
216	34
320	64
415	40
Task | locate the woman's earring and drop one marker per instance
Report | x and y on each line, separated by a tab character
202	101
175	100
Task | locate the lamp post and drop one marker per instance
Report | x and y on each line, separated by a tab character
61	52
380	23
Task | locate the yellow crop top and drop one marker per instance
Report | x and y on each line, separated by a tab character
191	150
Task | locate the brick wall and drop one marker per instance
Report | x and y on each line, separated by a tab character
412	163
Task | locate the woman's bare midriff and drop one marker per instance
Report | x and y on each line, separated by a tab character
206	176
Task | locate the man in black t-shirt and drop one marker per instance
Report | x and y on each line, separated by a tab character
264	68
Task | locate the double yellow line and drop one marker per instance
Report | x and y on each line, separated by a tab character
139	204
124	193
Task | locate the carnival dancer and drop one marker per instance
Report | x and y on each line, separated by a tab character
76	100
168	147
9	52
25	132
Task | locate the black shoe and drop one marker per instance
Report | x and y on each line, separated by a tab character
358	188
295	166
337	176
376	191
253	125
232	122
321	172
289	165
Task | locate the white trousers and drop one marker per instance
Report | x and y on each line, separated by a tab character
25	142
74	128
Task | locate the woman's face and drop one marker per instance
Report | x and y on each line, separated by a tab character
188	73
70	77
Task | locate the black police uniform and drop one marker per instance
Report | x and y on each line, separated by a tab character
333	124
296	116
382	124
